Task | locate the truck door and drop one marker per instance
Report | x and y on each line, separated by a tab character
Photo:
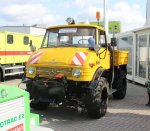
104	54
15	48
9	48
2	48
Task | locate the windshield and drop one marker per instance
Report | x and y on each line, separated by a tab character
78	36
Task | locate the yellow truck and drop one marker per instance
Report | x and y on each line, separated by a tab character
76	66
15	49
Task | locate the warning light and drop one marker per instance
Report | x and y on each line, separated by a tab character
97	15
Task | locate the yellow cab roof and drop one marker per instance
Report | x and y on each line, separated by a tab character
76	25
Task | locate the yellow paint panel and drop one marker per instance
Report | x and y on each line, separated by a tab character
121	57
2	47
17	52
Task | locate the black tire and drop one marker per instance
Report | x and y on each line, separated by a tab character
34	95
121	86
97	100
1	76
39	105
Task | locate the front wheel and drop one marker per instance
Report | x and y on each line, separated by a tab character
1	76
97	100
34	95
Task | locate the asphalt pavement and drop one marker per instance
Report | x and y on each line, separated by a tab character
129	114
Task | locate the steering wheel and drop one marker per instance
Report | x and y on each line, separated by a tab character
82	40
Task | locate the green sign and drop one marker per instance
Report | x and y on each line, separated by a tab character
11	120
114	26
14	118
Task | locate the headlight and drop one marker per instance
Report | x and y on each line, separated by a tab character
76	72
31	70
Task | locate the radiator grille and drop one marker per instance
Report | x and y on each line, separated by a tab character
52	72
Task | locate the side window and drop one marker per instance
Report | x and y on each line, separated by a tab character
10	39
102	39
26	40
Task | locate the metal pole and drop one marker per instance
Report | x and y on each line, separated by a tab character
105	17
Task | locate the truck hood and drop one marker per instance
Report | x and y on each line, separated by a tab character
61	56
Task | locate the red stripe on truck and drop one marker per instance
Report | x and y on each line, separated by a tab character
3	53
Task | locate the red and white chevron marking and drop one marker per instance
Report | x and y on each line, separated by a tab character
35	58
79	58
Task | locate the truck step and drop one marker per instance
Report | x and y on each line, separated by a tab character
14	67
14	73
13	70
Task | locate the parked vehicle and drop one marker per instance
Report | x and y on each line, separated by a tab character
15	49
76	66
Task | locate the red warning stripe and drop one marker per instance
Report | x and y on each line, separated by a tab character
17	128
81	60
73	63
35	57
3	53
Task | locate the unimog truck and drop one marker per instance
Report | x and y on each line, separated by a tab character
75	66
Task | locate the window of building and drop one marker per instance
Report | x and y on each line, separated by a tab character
10	39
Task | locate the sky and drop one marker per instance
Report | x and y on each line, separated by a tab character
131	13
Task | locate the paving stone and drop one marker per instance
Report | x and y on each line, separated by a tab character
129	114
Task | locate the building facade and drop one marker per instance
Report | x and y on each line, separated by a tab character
137	42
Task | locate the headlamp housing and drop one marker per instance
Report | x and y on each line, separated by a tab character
31	70
76	73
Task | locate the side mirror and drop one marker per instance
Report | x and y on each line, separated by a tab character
96	48
32	47
113	42
93	45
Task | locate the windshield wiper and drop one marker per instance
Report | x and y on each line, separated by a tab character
49	46
69	45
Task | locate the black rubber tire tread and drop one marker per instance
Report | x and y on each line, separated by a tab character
97	100
39	105
121	86
1	76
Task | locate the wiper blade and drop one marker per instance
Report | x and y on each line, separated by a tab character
68	45
49	46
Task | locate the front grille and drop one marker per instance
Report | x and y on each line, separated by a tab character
52	72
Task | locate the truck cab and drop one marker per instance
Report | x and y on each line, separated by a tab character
76	66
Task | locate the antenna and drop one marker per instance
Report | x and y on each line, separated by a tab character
105	17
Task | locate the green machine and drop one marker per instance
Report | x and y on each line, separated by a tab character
148	91
14	109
